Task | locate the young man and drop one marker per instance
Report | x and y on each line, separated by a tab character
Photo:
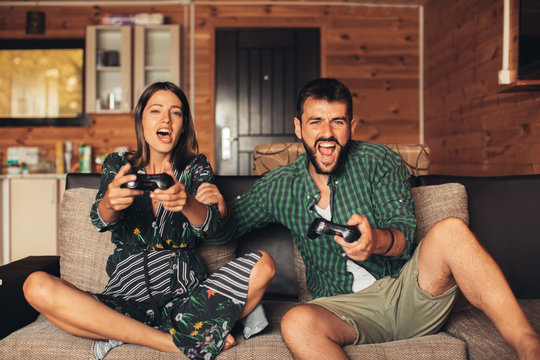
380	287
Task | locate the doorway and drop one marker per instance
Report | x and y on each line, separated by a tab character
259	73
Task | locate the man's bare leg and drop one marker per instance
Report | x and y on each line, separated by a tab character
451	254
82	315
312	332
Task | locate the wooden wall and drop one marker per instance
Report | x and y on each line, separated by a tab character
372	49
472	127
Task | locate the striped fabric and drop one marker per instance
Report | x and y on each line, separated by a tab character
128	280
232	279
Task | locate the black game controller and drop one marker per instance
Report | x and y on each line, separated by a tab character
321	226
150	182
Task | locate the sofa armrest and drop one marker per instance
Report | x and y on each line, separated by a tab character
18	312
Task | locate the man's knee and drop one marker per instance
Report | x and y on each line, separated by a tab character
297	321
449	231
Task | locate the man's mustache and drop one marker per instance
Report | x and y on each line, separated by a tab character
328	139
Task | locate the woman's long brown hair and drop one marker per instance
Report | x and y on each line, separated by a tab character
187	146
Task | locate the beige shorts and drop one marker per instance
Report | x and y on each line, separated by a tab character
392	308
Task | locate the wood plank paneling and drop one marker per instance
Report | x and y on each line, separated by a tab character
473	128
372	49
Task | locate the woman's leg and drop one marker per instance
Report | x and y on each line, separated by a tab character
261	275
80	314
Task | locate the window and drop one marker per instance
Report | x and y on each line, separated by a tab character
41	83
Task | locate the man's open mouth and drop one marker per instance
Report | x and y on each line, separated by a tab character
327	149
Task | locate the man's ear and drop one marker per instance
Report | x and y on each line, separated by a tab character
298	128
353	126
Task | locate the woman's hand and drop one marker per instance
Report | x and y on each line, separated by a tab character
175	197
118	198
209	194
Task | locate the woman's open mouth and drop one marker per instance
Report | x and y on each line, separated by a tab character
164	135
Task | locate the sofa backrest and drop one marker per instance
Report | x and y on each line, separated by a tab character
504	214
84	250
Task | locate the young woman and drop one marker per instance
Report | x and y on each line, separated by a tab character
158	294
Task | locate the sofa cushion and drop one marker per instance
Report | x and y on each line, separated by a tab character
483	340
84	250
43	338
436	202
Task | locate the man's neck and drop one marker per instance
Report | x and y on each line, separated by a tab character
321	181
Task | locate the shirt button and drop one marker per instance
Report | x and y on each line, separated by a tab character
337	182
238	196
307	196
343	254
400	200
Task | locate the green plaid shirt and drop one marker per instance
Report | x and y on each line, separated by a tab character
372	181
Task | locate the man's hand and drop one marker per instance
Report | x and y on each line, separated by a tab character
209	194
361	249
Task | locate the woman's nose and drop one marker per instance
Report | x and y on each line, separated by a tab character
166	117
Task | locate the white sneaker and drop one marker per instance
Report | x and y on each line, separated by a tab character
101	348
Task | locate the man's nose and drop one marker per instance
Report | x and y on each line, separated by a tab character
326	129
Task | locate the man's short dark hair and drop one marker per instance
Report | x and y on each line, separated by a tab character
324	89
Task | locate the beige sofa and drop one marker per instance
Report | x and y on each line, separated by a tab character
83	252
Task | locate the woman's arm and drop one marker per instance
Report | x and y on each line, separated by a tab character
117	198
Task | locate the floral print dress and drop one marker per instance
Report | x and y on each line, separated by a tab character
156	276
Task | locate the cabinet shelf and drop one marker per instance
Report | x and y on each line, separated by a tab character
108	88
155	57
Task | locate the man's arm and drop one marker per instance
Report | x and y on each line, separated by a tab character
394	233
243	214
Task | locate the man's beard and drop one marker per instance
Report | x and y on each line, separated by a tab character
340	158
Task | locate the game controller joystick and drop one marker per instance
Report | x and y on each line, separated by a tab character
150	182
321	226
